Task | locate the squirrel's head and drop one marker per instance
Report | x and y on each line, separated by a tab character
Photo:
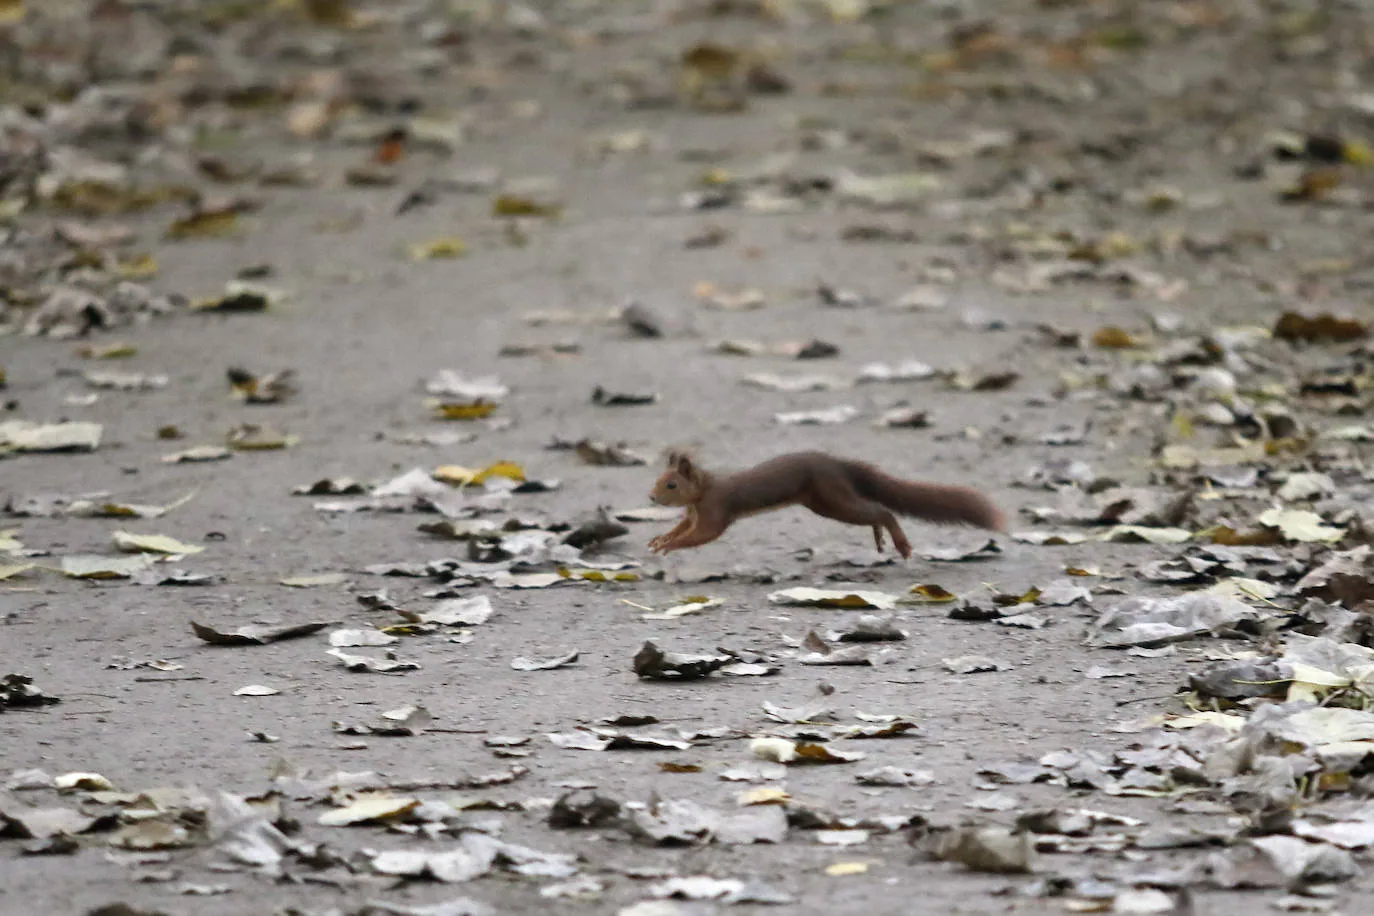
680	484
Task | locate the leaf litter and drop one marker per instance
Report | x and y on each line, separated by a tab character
1260	425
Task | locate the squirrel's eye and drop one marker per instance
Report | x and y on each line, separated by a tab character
672	485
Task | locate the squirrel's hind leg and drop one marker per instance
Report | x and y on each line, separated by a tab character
853	509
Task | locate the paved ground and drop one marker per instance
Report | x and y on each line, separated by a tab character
1116	142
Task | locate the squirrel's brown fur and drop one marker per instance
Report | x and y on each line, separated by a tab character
853	492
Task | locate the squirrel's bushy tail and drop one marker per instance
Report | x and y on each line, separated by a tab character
933	502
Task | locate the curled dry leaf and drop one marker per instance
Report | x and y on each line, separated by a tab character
354	638
197	454
459	612
250	437
601	454
384	665
254	635
271	388
545	664
605	398
652	663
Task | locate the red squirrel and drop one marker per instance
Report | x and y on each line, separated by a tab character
847	491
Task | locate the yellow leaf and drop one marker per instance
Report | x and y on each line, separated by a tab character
475	410
152	543
109	351
329	12
446	247
9	572
11	12
512	205
1357	153
139	267
764	795
508	469
840	869
1114	338
669	767
455	474
933	593
596	575
459	476
204	225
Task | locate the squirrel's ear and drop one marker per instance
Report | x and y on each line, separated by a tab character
682	463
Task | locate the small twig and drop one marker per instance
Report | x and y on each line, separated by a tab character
1166	696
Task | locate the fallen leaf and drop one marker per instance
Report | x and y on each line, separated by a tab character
793	384
459	612
373	663
450	246
255	635
199	453
844	869
83	566
936	594
544	664
1318	328
203	224
818	597
515	205
651	662
314	581
603	398
271	388
250	437
152	543
600	454
369	809
462	410
971	664
989	849
897	190
24	436
354	638
692	605
124	381
1301	526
